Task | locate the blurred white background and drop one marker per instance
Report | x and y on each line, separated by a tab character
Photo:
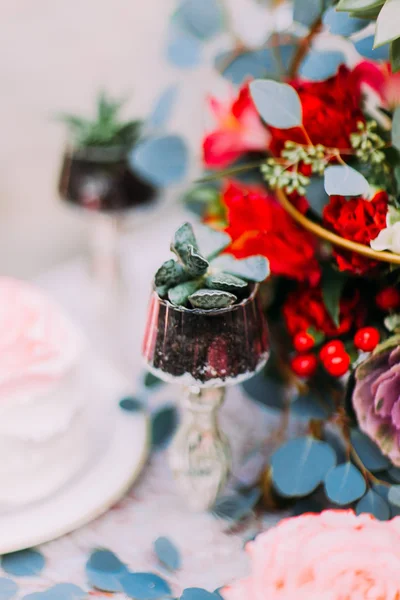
55	57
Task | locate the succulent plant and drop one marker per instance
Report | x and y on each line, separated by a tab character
106	130
202	277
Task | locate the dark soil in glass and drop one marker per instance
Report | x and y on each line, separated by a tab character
206	346
97	181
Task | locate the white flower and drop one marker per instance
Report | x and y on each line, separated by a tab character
389	238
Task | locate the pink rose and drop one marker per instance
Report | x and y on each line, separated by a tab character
38	344
332	556
238	130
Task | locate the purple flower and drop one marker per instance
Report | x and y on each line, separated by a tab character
376	399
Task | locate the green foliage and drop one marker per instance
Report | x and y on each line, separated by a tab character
386	13
333	282
106	130
195	282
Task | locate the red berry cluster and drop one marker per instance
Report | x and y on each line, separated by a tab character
333	355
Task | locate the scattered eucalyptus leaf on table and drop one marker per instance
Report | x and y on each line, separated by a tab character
167	553
24	563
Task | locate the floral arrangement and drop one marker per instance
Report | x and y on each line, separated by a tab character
304	169
332	556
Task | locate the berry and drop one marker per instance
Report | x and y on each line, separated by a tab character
303	341
304	365
367	339
388	299
338	364
331	349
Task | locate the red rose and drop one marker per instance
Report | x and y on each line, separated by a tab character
304	309
331	110
257	224
359	220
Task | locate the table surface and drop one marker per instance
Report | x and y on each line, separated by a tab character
212	553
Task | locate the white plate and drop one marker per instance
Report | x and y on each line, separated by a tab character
118	451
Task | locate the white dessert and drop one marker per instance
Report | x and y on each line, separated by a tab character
43	434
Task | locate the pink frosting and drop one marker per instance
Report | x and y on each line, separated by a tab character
38	344
332	556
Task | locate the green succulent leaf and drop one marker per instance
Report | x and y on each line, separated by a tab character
211	241
162	291
196	265
179	295
169	274
186	248
254	268
209	299
225	282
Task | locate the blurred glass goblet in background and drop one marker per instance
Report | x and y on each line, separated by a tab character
100	181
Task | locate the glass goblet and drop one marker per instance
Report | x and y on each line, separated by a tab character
204	351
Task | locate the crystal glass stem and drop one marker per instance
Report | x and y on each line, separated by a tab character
104	249
199	455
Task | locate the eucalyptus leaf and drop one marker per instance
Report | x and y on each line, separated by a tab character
212	299
396	128
198	594
312	405
277	103
394	474
265	390
163	107
257	64
236	506
394	495
167	553
211	242
301	465
183	49
151	381
253	268
225	282
163	425
316	195
375	505
104	571
340	23
307	12
365	46
162	160
145	586
23	563
170	273
344	484
345	181
319	65
203	20
369	453
388	23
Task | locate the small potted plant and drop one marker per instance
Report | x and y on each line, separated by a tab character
205	330
95	173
